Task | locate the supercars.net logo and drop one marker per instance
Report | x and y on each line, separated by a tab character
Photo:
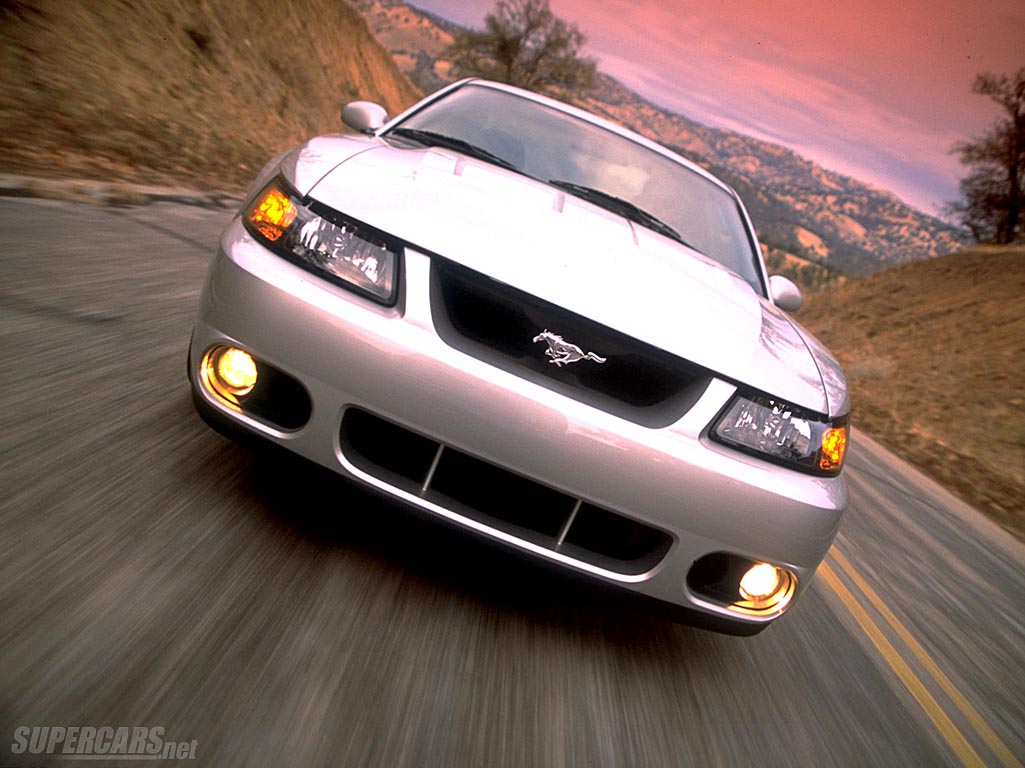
88	743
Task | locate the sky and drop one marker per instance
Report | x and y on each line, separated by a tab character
879	90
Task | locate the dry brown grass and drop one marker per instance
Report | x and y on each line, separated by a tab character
935	357
181	91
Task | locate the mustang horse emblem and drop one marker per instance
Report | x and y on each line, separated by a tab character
562	352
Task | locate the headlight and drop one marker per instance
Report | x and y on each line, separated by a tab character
782	433
325	242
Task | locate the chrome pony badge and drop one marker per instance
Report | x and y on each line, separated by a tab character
562	352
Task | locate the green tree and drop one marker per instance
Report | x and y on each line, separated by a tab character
993	192
523	43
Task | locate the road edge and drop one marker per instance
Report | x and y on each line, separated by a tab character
976	518
112	193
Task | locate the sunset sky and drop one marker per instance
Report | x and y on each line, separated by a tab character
876	89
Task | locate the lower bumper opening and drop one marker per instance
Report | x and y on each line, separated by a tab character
498	498
251	386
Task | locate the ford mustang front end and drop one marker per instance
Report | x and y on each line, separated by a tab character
540	327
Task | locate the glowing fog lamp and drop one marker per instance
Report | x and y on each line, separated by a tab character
742	585
228	373
237	371
760	582
764	587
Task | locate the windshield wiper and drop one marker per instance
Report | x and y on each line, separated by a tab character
624	208
432	139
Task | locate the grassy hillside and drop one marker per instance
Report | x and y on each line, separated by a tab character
181	91
935	356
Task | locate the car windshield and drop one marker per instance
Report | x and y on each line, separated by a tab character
593	163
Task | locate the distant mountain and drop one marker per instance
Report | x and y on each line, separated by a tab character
798	207
815	224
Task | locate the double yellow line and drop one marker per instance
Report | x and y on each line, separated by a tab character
907	676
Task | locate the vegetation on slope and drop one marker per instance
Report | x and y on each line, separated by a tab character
935	357
180	91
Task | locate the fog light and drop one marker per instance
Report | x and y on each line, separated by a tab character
764	587
760	582
742	585
237	371
228	373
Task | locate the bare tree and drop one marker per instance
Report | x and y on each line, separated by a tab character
523	43
993	192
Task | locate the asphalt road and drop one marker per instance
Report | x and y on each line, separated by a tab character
152	574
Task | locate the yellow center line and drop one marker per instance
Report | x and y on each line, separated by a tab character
939	718
981	727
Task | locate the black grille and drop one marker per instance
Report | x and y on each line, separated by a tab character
497	323
498	498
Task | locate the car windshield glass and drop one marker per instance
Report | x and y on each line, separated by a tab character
620	206
596	164
434	139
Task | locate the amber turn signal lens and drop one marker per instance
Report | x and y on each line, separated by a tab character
834	446
273	214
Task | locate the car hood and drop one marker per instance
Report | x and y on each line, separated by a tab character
575	255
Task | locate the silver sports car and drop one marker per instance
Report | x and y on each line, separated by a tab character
543	328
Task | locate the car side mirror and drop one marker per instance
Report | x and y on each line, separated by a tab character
364	116
785	293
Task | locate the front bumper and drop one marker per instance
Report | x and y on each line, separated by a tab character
349	353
